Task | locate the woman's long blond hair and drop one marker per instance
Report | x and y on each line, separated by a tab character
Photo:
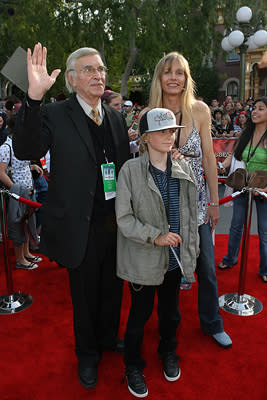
188	95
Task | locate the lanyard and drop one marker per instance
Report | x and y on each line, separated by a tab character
167	209
251	154
177	141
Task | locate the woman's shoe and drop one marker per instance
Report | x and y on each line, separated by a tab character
35	259
223	266
23	266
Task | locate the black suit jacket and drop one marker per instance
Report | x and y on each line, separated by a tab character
63	128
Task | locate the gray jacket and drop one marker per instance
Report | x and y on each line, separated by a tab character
141	217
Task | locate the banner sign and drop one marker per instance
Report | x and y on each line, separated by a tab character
223	147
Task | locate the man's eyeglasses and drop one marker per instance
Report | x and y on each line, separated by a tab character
90	70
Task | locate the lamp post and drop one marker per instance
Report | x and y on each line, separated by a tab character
244	37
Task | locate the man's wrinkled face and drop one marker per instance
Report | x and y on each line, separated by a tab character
88	79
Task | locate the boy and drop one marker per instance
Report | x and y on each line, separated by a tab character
156	208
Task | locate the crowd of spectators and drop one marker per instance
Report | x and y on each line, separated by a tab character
230	118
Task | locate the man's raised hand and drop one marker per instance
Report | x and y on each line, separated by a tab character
39	79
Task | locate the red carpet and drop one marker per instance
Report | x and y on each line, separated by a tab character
37	360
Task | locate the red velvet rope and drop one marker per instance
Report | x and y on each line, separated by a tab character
228	198
29	203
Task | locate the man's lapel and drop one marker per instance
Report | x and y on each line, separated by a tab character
80	121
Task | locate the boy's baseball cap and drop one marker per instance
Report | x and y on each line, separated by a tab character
157	119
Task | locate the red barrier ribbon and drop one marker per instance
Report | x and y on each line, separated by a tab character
29	203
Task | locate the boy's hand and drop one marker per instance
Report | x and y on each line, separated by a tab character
169	239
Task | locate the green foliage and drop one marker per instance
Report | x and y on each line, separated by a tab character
115	27
207	83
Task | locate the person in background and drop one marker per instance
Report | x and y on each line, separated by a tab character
228	99
153	192
3	128
131	117
238	106
12	104
249	105
173	87
114	100
129	112
214	104
217	122
227	128
134	138
40	188
229	109
241	123
88	144
16	176
252	149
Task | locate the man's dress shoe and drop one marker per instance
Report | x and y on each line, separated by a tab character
87	376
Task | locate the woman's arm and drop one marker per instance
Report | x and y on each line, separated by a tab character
4	178
226	164
201	114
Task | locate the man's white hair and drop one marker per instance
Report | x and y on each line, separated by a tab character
71	63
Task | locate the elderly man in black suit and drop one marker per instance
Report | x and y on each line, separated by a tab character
85	138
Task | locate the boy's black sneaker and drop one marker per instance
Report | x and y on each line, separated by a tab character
136	382
171	368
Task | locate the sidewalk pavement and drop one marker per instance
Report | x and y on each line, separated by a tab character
224	223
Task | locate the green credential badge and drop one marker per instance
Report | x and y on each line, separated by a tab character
109	180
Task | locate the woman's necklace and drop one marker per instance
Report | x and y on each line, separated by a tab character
177	112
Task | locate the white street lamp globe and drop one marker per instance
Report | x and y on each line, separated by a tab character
251	44
244	14
236	38
226	45
260	38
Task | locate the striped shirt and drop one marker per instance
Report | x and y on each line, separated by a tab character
161	179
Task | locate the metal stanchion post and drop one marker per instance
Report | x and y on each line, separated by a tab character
240	303
10	303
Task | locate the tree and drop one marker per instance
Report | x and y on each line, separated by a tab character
131	35
207	82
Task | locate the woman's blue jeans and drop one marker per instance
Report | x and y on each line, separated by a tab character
236	231
208	304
